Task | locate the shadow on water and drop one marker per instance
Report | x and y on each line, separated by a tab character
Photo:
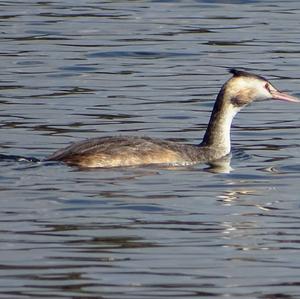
14	158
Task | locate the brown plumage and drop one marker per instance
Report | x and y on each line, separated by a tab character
127	151
240	90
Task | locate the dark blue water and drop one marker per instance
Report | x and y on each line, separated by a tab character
77	69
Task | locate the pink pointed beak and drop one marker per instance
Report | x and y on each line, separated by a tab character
277	95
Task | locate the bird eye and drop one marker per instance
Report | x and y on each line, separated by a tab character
267	86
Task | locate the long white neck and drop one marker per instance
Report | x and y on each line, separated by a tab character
217	134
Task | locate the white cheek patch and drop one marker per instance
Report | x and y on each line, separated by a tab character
258	89
261	92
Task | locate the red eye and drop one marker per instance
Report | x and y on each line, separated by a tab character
267	86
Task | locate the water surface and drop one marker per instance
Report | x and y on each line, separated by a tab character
77	70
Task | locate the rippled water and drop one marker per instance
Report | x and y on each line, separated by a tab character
77	69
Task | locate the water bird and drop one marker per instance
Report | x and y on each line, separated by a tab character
240	90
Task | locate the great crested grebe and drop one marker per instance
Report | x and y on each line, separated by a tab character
240	90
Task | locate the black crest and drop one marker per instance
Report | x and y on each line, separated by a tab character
240	73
